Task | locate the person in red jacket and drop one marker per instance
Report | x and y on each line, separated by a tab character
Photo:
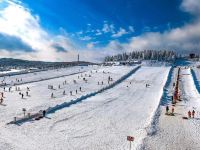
189	114
172	110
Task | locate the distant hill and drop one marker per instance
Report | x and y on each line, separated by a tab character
18	63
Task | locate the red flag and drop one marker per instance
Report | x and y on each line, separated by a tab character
130	138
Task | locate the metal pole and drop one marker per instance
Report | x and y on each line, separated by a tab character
130	145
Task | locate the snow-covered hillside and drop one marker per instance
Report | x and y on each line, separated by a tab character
174	132
132	103
99	122
43	75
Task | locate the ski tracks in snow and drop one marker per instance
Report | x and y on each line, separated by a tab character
173	132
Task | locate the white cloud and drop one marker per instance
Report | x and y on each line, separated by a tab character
185	39
191	6
80	33
112	28
27	27
108	28
85	38
17	21
181	39
98	32
131	29
147	29
120	33
91	45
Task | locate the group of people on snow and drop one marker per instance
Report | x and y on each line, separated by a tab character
191	114
1	99
167	110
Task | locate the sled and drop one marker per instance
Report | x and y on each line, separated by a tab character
169	114
37	118
184	117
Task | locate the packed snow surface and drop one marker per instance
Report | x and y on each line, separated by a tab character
174	132
100	122
43	75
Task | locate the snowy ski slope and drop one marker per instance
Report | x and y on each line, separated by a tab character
43	75
173	132
40	96
99	122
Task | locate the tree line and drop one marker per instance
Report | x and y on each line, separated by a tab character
161	55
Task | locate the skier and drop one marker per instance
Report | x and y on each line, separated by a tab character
51	95
22	95
70	92
102	82
76	91
74	81
172	110
1	100
109	78
64	92
44	113
80	88
167	109
4	89
193	113
26	93
173	84
189	114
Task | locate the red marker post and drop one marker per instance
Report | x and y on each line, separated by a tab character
130	139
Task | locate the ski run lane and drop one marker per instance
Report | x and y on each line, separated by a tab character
39	97
101	122
32	77
173	132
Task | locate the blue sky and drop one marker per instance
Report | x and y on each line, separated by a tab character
59	30
87	16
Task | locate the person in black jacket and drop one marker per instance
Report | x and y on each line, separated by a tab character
167	109
44	113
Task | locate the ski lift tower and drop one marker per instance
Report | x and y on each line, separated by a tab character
78	58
